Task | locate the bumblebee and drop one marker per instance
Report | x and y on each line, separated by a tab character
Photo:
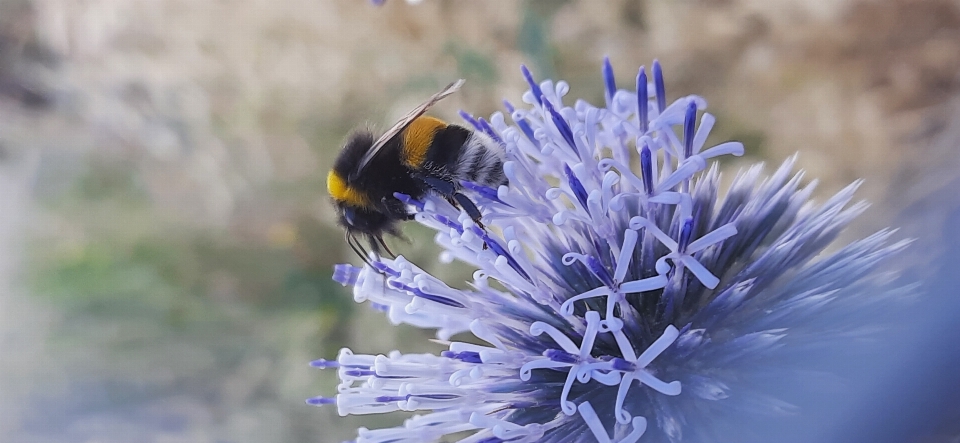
419	154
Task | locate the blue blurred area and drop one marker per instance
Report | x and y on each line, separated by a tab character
914	395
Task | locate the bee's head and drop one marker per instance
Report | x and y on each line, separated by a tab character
360	214
359	222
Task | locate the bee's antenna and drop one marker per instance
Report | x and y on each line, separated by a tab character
357	248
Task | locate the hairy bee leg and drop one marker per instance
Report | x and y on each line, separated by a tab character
446	188
449	191
374	246
472	211
469	206
385	247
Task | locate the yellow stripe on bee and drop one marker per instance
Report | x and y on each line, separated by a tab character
342	192
417	139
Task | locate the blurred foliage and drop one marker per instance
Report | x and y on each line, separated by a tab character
130	261
181	268
103	182
533	39
472	65
165	311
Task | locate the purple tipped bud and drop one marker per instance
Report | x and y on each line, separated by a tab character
487	192
534	87
450	223
406	199
417	292
383	268
465	356
576	186
346	274
561	356
320	401
643	101
487	129
597	268
689	123
324	363
686	233
561	125
619	364
661	88
609	81
469	119
646	169
523	125
500	250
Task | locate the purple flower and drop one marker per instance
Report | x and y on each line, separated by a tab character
614	303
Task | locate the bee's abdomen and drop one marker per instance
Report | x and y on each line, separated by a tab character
460	154
481	161
420	140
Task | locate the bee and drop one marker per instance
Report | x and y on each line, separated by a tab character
419	154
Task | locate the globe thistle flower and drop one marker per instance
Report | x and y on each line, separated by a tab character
614	303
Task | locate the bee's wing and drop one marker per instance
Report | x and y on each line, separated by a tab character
405	121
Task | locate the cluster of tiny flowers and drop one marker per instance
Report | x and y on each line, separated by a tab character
613	303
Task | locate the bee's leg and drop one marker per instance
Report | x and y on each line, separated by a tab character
449	191
374	248
472	211
396	208
443	187
470	207
385	247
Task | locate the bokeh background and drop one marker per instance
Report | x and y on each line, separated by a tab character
166	243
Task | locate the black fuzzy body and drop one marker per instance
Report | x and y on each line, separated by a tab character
391	171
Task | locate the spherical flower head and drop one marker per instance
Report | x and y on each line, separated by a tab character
613	303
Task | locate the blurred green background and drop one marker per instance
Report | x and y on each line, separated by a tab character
166	244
